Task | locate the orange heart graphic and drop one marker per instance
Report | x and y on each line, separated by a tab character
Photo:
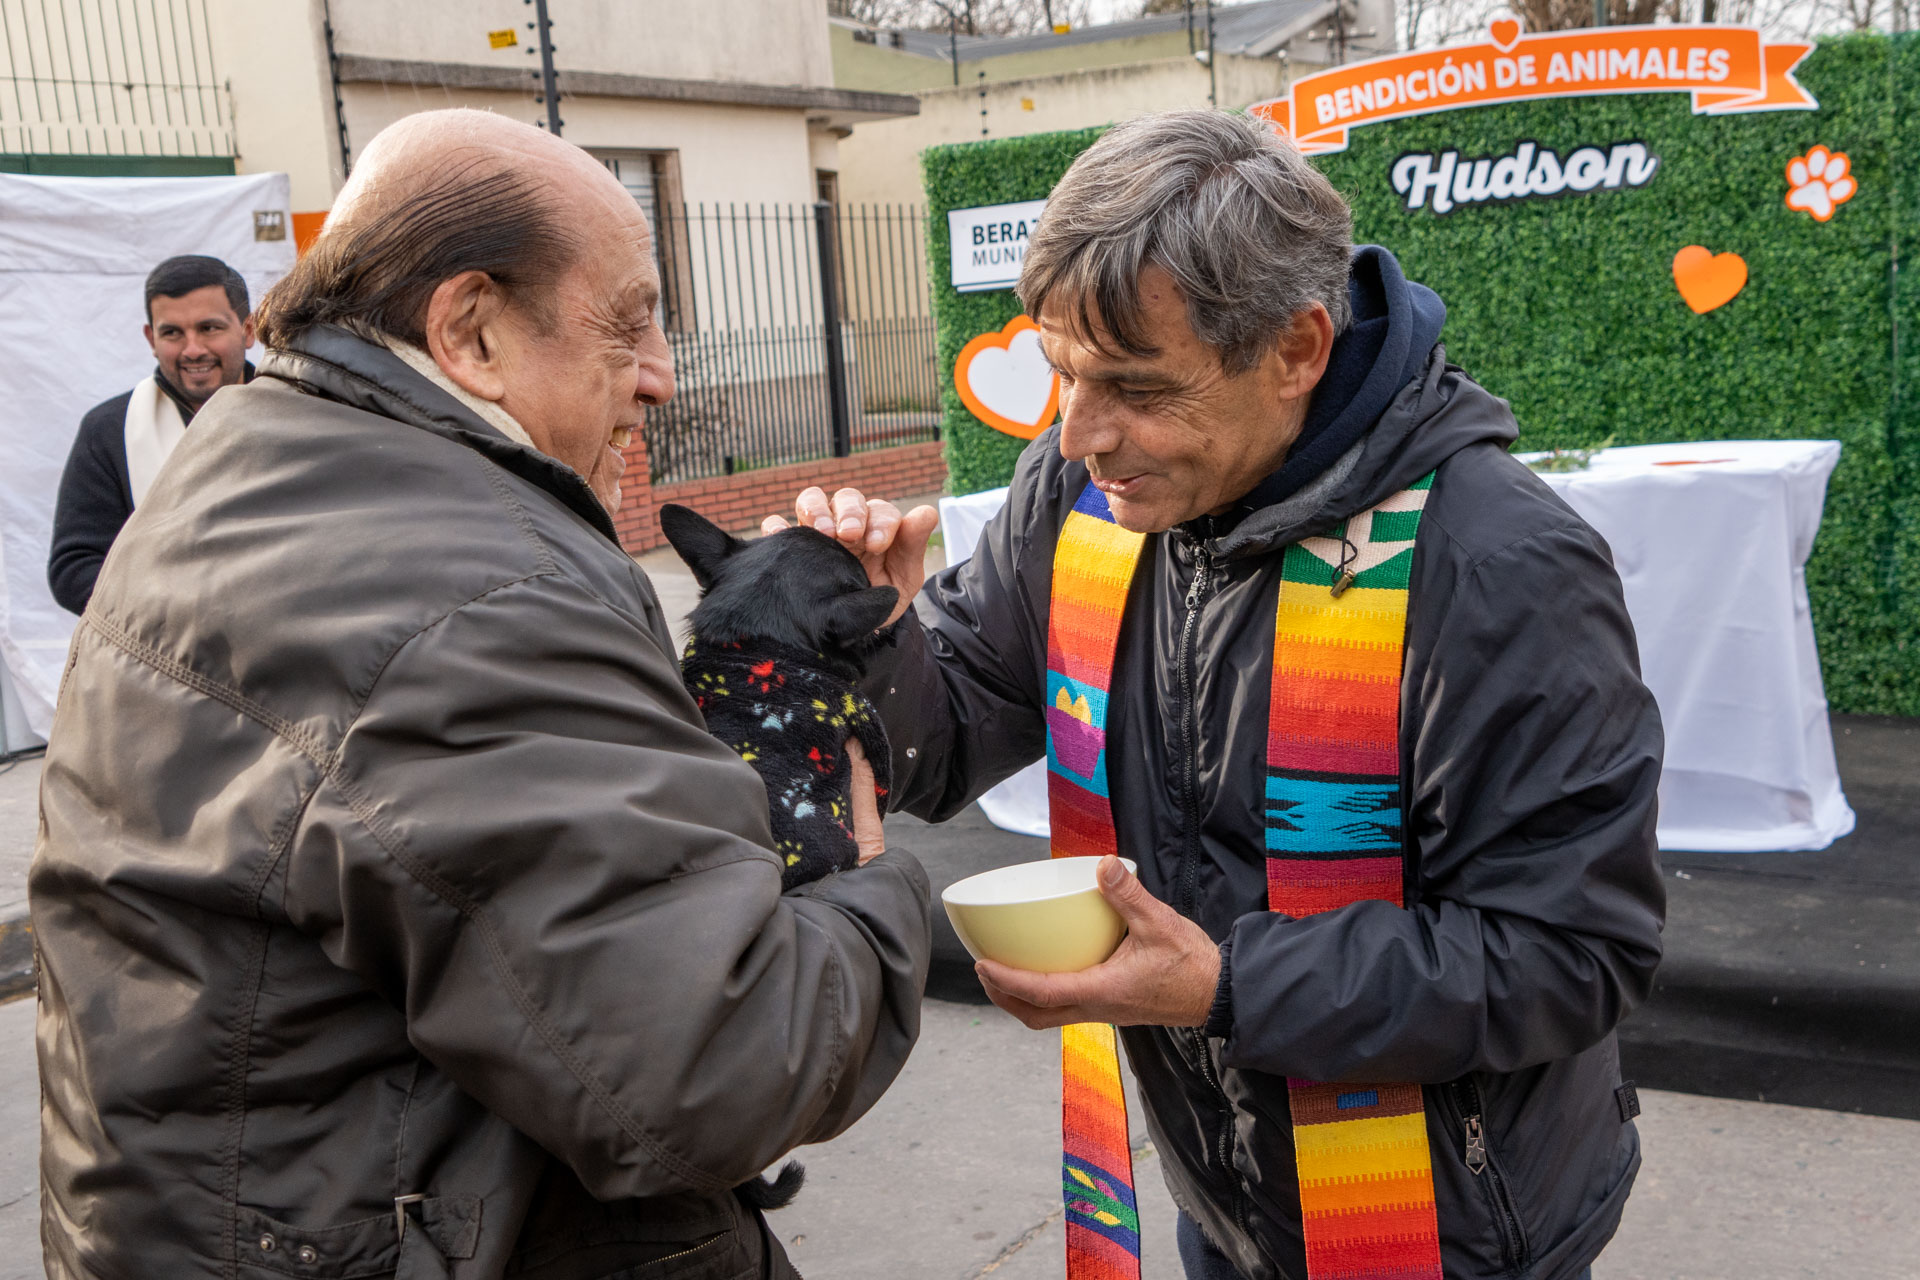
1504	32
1005	381
1707	279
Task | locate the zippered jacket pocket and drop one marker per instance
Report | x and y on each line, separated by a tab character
1466	1114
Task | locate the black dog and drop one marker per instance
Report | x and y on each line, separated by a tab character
784	626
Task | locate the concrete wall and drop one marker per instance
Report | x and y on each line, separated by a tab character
857	64
282	96
727	153
880	162
275	58
782	42
279	113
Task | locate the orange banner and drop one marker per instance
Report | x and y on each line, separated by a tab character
1726	69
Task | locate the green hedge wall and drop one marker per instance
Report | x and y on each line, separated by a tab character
960	177
1567	307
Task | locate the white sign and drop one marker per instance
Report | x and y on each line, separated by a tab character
989	243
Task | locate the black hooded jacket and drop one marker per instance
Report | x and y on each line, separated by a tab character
1530	758
95	497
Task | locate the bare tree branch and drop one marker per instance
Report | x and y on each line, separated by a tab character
975	17
1426	24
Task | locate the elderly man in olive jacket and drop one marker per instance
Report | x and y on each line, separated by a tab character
396	913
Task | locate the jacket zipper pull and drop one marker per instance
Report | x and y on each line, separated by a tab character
1476	1146
1202	566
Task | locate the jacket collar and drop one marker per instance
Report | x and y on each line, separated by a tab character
187	407
1428	421
330	362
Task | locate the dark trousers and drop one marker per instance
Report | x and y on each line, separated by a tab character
1197	1254
1204	1262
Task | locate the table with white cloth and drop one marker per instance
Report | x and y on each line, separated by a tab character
1711	541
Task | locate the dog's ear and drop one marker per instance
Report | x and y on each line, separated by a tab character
700	542
859	613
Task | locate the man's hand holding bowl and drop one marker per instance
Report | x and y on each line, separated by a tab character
1164	973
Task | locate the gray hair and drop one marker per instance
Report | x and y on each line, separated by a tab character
1250	232
380	272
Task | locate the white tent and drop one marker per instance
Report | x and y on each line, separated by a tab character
73	255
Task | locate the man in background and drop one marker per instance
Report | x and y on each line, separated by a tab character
198	327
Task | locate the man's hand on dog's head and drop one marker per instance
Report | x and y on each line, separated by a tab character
867	831
893	547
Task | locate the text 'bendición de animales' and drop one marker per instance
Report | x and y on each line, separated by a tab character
1586	66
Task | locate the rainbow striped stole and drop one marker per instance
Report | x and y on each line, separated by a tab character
1092	567
1333	837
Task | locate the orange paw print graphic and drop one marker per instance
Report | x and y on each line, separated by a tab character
1818	183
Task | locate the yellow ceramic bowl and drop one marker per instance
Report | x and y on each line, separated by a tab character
1045	916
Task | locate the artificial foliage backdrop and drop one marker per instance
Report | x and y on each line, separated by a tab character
961	177
1567	306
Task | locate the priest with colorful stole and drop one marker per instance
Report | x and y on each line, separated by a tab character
1355	690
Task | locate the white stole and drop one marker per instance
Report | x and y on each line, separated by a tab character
154	427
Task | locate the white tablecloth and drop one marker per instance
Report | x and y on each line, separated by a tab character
1712	554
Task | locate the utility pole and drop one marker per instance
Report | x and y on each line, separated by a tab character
1599	13
549	86
1213	94
953	36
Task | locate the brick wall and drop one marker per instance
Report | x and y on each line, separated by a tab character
639	530
740	501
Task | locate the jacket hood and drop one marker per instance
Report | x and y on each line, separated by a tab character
1388	410
1395	324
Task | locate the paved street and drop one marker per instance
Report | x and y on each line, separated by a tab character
19	1145
19	820
952	1177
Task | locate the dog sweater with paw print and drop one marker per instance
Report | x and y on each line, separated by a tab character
790	719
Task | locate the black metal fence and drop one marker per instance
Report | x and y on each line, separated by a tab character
798	331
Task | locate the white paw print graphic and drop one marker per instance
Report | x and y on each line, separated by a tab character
1817	183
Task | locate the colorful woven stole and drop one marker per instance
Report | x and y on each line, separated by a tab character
1092	566
1332	836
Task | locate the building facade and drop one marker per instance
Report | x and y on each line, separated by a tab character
973	87
722	119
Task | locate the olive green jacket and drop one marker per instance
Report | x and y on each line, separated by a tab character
395	911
